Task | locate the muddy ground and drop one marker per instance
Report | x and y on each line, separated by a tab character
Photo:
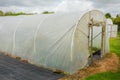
110	62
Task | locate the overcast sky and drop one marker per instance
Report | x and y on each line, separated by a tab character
112	6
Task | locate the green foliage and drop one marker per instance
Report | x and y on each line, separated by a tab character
105	76
108	15
117	21
118	34
46	12
1	13
9	13
95	49
16	14
118	15
114	47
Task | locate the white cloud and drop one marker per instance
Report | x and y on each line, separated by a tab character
28	3
112	6
73	5
113	9
50	5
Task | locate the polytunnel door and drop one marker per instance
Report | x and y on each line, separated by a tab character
96	41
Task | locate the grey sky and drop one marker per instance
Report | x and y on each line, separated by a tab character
104	3
28	3
112	6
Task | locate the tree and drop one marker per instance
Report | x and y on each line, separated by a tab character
118	15
108	15
1	13
117	22
8	13
47	12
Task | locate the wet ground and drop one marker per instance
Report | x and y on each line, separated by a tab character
13	69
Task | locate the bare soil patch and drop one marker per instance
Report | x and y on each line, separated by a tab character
110	62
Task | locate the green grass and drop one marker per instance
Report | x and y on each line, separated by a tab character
114	47
118	34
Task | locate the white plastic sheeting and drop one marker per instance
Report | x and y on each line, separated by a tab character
55	41
112	29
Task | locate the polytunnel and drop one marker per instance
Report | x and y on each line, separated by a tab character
112	29
54	41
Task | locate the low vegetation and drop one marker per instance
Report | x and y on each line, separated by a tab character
9	13
47	12
94	49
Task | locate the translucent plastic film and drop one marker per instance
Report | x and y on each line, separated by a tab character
54	41
112	29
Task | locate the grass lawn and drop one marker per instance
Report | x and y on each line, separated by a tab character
115	48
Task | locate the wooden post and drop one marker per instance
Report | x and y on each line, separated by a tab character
91	51
103	42
90	40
